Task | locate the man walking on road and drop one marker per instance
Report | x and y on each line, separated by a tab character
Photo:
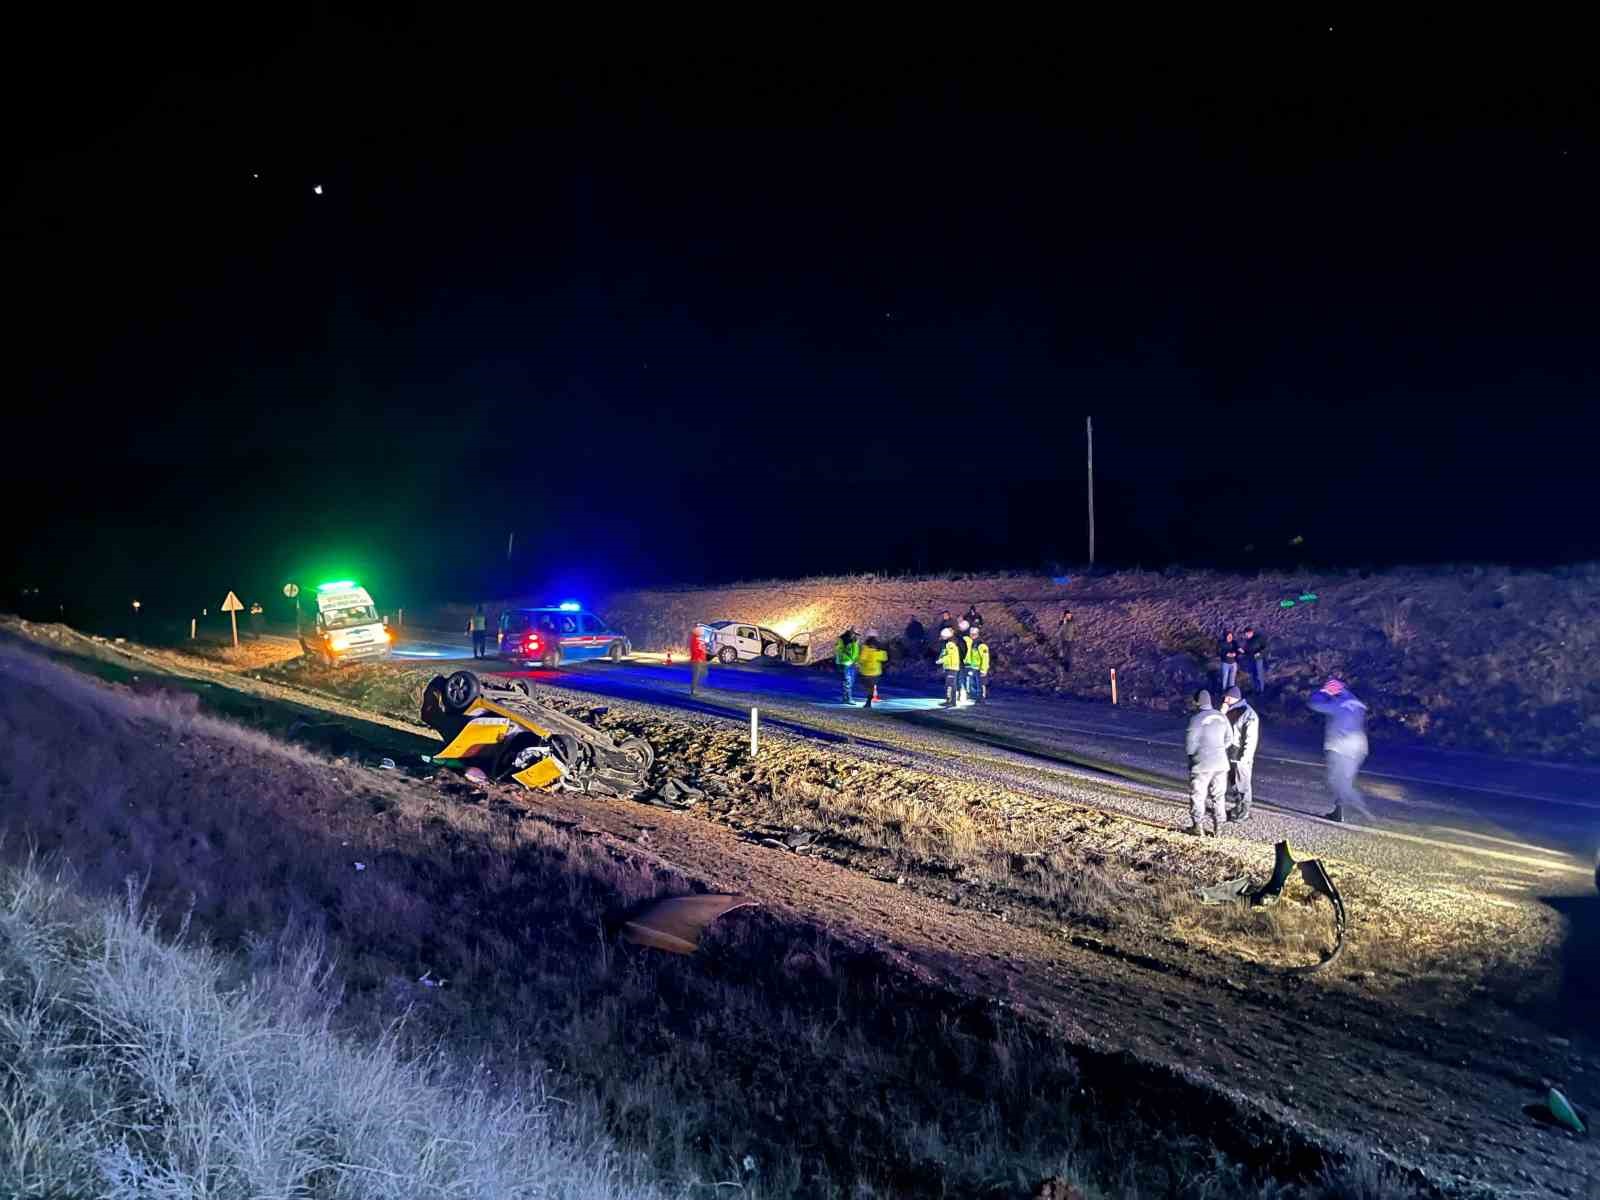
1255	653
949	662
846	653
1228	656
1247	737
1066	634
478	626
1207	741
1344	742
697	660
256	616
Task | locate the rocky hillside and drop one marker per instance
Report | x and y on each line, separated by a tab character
1471	657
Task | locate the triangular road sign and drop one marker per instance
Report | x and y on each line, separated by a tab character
231	604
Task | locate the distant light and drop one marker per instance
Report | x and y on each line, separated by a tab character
317	189
336	585
569	606
255	174
135	606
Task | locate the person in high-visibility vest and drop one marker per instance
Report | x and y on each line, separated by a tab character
971	658
980	665
478	626
949	662
846	653
870	664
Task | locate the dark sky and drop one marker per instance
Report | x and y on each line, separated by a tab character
679	304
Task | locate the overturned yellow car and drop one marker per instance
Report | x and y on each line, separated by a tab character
501	729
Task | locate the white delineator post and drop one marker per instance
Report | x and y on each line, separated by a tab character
755	731
191	629
1113	685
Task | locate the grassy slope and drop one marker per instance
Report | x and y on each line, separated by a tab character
1472	657
779	1043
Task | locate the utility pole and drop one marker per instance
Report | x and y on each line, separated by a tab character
1088	423
511	539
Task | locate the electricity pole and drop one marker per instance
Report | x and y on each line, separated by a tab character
1088	423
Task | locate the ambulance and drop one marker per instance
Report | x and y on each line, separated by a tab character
339	623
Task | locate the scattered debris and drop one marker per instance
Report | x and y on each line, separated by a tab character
1561	1109
675	924
475	775
360	866
428	981
1056	1188
386	764
1316	878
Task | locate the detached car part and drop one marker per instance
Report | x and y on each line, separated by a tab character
1284	863
675	924
503	731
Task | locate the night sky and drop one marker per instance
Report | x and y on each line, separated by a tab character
683	306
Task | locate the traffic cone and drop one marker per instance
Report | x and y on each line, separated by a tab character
669	658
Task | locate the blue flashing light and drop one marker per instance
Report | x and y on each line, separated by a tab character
569	606
335	586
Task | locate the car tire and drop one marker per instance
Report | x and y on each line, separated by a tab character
615	653
551	659
640	754
727	656
460	690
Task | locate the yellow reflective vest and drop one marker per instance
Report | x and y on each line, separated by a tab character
950	656
979	657
870	664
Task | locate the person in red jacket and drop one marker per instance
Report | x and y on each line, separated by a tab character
697	660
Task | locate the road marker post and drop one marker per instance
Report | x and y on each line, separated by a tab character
755	730
1113	685
231	606
191	629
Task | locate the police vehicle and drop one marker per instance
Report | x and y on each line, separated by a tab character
556	634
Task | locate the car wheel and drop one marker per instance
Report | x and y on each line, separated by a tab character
615	653
460	690
727	655
638	752
552	659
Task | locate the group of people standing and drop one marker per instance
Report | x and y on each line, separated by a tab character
1222	744
1250	650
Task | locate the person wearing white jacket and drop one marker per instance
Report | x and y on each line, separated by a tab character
1207	742
1247	735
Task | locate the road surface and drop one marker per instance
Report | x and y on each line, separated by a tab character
1522	827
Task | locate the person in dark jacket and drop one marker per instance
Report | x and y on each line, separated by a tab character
916	635
973	617
1228	656
1255	653
1066	635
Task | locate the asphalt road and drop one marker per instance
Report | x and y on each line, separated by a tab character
1518	826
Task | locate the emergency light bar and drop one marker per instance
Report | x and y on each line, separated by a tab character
335	586
569	606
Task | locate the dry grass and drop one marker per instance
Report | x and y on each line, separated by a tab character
781	1046
136	1068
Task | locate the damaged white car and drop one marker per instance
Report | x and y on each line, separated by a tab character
744	641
